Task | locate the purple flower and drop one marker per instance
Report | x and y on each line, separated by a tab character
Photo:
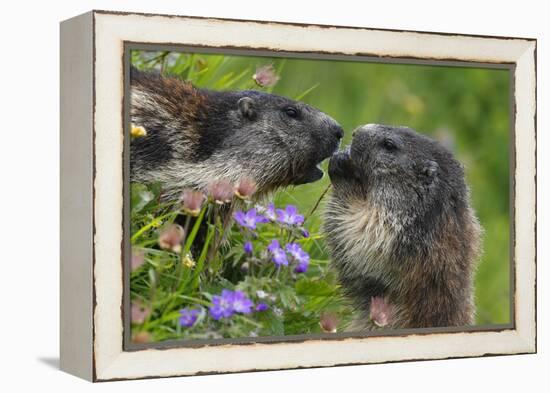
305	232
241	303
277	253
222	306
299	256
249	219
301	267
248	248
290	216
270	213
274	245
188	317
228	303
261	307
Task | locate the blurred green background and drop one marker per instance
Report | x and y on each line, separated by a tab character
465	108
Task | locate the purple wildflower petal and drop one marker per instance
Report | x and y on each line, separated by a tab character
239	217
261	219
241	303
289	216
299	256
301	267
278	255
222	306
273	245
250	219
188	317
270	213
262	307
248	248
297	252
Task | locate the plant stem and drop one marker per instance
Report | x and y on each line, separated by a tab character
224	226
185	232
212	250
317	203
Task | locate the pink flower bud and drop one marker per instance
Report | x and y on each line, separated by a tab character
381	311
246	188
220	191
192	202
141	338
329	322
265	76
137	259
139	313
171	237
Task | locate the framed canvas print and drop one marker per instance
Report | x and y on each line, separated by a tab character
245	195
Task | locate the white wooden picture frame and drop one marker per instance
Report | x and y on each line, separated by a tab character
92	195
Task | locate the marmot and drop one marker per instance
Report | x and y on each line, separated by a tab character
195	136
401	231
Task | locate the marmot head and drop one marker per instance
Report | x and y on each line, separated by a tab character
399	170
396	195
286	138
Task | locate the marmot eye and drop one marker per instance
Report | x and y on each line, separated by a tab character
389	144
291	112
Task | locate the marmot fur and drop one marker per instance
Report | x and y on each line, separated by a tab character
400	228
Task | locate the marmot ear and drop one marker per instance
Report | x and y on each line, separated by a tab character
430	169
246	107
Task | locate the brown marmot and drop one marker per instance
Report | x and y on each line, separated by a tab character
401	231
196	136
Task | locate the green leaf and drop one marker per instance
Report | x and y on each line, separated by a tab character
288	297
305	93
314	287
140	196
277	327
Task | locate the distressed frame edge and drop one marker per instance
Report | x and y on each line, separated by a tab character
305	25
76	196
526	337
525	220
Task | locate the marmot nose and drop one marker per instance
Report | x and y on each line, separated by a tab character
338	132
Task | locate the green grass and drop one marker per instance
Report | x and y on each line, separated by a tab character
466	108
